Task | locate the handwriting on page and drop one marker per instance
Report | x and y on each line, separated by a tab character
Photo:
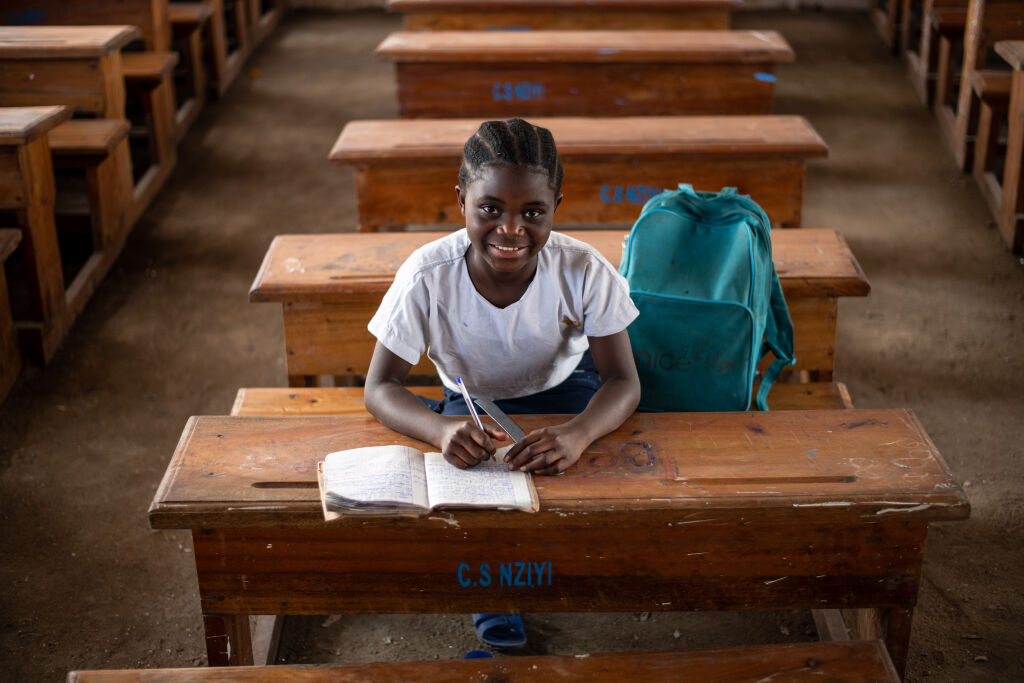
489	483
392	474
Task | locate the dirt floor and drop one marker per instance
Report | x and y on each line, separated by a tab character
169	334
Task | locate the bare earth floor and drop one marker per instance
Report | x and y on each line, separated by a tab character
84	582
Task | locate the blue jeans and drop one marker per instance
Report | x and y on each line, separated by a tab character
569	397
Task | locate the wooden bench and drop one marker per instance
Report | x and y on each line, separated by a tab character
885	14
921	51
957	108
1004	192
780	510
405	169
10	355
851	661
489	15
99	149
585	73
329	286
228	40
189	21
152	17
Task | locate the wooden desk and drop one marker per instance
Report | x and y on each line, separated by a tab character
920	52
329	287
987	22
708	511
1007	199
584	73
490	15
405	169
150	16
229	46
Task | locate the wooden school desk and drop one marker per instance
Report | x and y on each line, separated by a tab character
584	73
672	511
518	15
329	286
405	169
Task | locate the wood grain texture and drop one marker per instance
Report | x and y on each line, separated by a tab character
64	42
499	90
665	6
796	662
744	47
597	19
280	401
150	16
88	137
20	125
866	466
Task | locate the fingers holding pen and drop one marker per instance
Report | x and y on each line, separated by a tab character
466	445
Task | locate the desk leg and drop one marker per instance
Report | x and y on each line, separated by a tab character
228	640
892	626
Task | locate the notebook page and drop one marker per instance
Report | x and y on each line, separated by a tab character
489	484
391	474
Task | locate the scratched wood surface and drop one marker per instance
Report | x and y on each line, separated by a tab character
404	169
20	125
797	662
859	465
150	16
749	47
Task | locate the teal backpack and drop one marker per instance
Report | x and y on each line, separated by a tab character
699	267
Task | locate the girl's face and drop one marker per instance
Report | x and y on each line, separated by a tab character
509	213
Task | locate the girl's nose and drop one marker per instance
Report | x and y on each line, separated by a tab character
511	227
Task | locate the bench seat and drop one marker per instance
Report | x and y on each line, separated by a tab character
611	166
281	401
854	660
584	73
490	15
329	286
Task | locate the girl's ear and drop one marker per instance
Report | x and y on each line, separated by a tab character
558	200
461	199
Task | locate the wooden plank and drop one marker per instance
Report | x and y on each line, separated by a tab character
744	47
21	125
150	16
848	662
857	661
64	42
1012	51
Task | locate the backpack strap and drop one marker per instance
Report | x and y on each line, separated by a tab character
778	338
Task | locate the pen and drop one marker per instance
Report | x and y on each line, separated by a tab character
469	403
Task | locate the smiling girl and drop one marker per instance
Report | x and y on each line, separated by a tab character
530	318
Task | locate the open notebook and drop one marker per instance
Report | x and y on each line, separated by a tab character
400	480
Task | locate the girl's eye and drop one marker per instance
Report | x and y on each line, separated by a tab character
487	208
534	213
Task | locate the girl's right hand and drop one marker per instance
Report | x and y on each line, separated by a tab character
463	444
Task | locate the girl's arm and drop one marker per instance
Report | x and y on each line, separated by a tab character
554	449
462	443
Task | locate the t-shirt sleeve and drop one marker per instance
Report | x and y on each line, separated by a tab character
401	323
607	306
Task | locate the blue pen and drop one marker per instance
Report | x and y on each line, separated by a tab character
469	402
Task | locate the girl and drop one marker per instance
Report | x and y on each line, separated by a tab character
530	318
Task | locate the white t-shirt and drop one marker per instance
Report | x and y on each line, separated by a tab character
532	345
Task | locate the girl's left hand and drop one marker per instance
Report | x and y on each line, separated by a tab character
550	450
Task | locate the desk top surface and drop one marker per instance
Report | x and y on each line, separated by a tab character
752	47
1012	51
513	5
586	138
331	268
63	42
854	465
19	125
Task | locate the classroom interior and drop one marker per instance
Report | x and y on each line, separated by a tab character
170	332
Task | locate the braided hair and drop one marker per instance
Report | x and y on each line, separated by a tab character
514	142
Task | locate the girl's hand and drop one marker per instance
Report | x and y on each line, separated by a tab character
463	444
550	450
